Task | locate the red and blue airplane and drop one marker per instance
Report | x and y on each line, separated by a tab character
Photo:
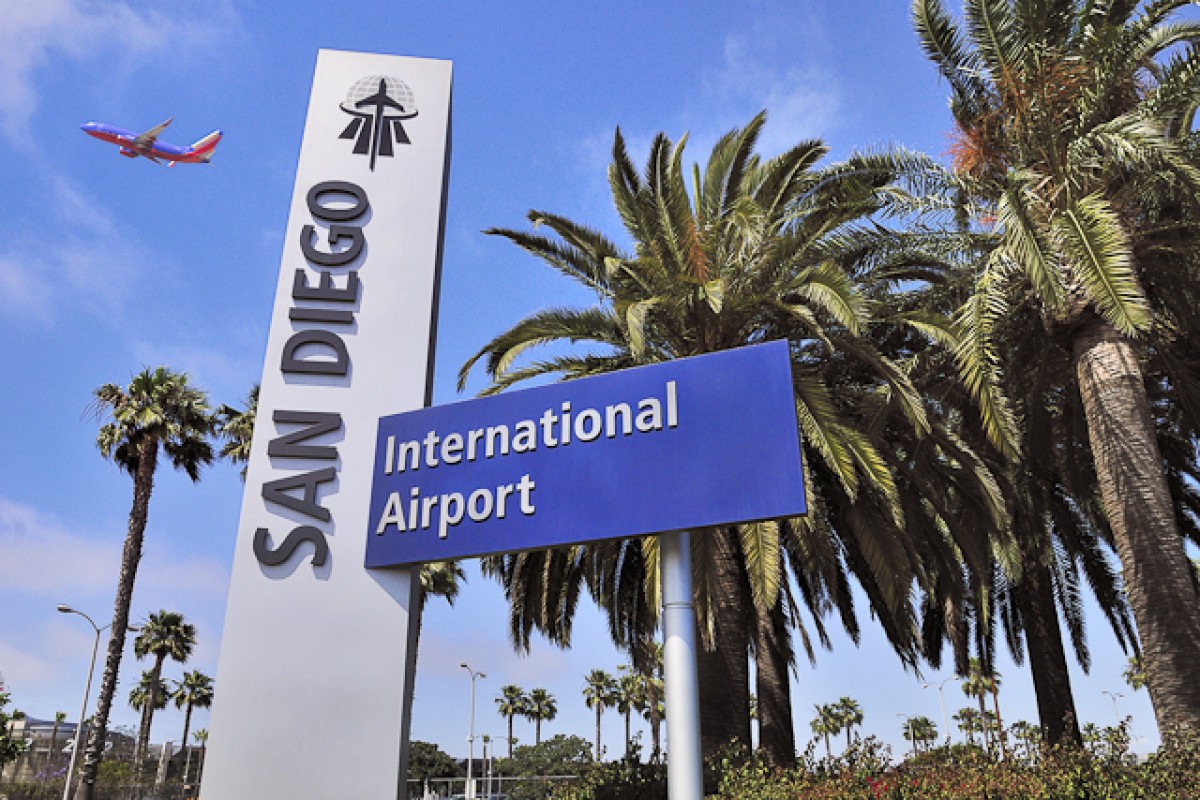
147	145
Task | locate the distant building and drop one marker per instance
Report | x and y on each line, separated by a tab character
49	752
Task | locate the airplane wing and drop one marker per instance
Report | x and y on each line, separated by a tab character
148	138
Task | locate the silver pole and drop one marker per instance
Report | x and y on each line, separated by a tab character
470	788
685	773
87	689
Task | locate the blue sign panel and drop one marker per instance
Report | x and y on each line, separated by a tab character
690	443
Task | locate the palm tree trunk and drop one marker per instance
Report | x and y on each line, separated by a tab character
138	741
53	745
537	728
628	739
1047	659
187	724
1129	470
776	737
131	556
724	672
983	726
143	740
999	722
599	709
655	719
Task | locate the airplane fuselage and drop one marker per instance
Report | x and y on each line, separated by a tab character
156	150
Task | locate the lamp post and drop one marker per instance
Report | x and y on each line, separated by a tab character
470	793
65	609
942	700
1114	696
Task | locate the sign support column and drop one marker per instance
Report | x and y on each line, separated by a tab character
685	771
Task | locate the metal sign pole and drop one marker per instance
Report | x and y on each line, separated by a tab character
685	774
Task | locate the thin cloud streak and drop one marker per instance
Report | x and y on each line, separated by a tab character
118	35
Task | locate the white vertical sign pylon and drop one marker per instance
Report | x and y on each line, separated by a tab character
314	680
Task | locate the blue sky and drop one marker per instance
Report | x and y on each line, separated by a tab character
108	265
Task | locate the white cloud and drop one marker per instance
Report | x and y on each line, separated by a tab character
92	264
43	558
41	555
46	561
780	66
22	288
801	97
35	32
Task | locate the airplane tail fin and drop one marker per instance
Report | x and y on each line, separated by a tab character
204	147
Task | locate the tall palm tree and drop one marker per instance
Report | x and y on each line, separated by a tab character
194	691
236	427
148	696
1029	736
969	720
201	738
755	249
827	722
599	693
631	697
921	731
1065	112
650	673
849	714
1052	537
542	707
164	635
512	702
976	684
59	718
159	409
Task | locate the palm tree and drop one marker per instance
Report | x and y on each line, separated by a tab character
1065	113
599	693
850	714
1030	737
758	249
924	731
59	718
969	720
512	702
159	409
978	683
164	635
201	738
650	674
541	707
194	691
975	684
237	429
631	696
1134	674
148	696
918	731
826	723
438	579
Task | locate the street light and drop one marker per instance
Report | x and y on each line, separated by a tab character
942	699
65	609
1114	696
471	731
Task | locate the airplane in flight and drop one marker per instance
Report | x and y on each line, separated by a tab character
147	145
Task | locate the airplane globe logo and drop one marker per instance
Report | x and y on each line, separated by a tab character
378	104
